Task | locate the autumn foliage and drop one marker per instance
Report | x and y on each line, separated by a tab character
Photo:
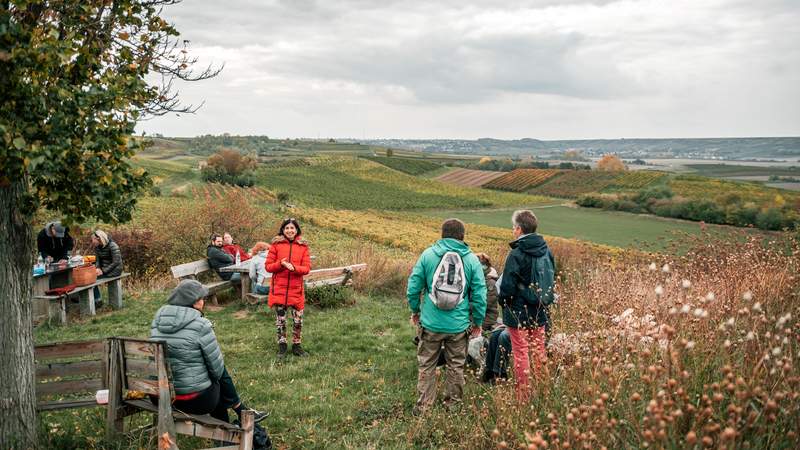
611	163
229	166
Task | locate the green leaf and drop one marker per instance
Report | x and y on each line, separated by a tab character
19	143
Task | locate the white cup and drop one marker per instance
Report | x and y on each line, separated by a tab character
101	396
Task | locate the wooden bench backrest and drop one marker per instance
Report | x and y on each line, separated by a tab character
76	370
191	269
139	361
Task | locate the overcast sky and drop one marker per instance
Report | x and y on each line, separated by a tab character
543	69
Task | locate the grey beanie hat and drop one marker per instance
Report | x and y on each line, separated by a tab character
187	293
58	229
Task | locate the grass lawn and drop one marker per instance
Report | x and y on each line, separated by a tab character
355	391
603	227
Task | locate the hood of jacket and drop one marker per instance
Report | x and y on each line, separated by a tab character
297	240
172	318
59	229
445	245
531	244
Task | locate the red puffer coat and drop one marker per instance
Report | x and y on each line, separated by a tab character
286	287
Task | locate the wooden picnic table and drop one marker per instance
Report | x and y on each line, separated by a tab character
55	275
244	269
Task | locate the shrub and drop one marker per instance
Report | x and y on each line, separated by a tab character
228	166
770	219
330	296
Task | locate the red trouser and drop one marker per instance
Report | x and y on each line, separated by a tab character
523	342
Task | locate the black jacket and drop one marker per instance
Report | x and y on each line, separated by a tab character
52	246
218	259
519	308
109	259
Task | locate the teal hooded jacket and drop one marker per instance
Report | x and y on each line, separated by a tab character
458	319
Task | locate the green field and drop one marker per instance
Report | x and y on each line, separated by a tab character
732	170
603	227
355	183
411	166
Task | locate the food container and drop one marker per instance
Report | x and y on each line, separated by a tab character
89	259
84	275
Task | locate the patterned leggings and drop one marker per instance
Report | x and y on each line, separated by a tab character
297	324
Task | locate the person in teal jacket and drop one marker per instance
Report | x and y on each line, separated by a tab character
445	330
202	383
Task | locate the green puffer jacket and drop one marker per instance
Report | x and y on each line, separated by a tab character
474	305
192	349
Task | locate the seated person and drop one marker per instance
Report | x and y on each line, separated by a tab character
218	259
109	260
232	249
54	241
498	350
258	268
202	383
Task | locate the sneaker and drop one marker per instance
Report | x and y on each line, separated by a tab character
282	350
297	350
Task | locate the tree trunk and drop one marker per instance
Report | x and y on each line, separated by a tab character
17	395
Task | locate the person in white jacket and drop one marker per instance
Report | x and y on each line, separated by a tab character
258	268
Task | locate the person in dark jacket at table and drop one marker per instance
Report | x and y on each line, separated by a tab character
54	241
217	259
109	260
202	383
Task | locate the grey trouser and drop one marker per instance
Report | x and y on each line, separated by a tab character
454	347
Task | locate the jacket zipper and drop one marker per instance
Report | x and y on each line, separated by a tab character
288	276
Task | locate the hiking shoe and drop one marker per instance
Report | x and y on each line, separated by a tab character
282	350
297	350
259	415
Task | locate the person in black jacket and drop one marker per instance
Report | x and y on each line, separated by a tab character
109	260
54	241
218	259
524	313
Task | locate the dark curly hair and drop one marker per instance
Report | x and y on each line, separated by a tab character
288	221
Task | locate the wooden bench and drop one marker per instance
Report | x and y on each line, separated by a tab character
342	276
68	374
58	303
140	366
193	269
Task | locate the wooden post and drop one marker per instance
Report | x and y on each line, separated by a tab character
87	302
115	294
245	285
248	424
114	422
166	424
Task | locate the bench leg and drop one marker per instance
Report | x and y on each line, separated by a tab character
248	423
115	294
114	416
245	286
87	302
62	313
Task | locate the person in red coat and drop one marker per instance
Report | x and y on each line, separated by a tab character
288	261
232	249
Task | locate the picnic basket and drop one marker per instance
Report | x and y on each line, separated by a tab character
84	275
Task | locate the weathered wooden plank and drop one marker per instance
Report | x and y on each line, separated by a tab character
138	348
218	286
65	369
68	349
166	424
144	367
68	387
248	425
325	282
149	387
115	413
190	269
191	428
334	271
68	404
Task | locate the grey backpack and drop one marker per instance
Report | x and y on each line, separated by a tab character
449	283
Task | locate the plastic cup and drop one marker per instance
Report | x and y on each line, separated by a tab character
101	396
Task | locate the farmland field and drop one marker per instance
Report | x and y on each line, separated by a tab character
356	183
411	166
519	180
694	186
573	183
730	170
469	177
636	179
617	229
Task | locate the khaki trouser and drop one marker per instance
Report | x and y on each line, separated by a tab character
454	347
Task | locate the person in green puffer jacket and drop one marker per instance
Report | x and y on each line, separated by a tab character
445	330
202	383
